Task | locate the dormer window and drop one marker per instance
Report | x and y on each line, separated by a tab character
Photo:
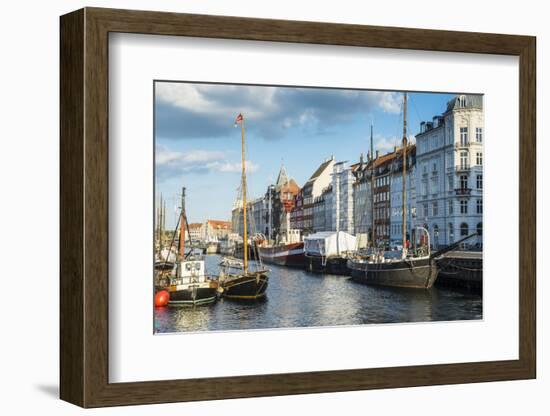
462	101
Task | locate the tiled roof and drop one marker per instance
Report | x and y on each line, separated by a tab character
219	224
320	170
388	157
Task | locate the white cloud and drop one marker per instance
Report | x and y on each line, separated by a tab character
390	102
218	100
233	167
385	144
170	162
200	110
165	156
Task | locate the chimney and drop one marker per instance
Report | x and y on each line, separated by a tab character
377	153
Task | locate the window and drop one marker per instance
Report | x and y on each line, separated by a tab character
462	101
479	158
464	136
435	209
450	204
479	134
451	232
451	182
463	181
464	206
463	229
479	181
425	210
463	159
434	186
434	168
479	206
480	228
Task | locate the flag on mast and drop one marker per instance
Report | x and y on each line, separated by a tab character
239	119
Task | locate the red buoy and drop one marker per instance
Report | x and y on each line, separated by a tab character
162	298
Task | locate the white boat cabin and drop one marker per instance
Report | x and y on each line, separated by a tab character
329	243
190	271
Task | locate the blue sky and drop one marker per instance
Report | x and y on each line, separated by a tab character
198	146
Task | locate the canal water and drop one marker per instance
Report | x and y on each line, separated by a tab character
296	298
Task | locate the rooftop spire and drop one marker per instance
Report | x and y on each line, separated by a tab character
282	179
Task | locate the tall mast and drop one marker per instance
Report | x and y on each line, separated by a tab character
372	185
270	225
183	220
243	184
404	203
157	224
164	215
160	225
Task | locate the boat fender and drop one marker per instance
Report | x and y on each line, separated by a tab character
162	298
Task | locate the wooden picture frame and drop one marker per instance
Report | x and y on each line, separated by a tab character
84	207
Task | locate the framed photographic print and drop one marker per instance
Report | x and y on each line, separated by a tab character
256	207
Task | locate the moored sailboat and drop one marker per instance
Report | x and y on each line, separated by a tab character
189	284
244	284
415	267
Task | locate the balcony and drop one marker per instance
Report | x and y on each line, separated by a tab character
459	145
463	167
463	191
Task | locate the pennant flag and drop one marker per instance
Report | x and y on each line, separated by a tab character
239	119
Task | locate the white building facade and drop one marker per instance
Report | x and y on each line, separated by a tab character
312	191
449	178
342	198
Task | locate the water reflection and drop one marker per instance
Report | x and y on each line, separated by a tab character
296	298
